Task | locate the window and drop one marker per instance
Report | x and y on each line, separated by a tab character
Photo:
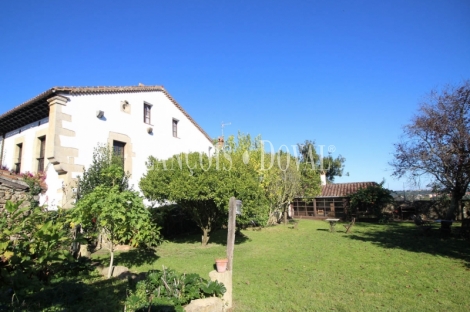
147	108
19	148
118	150
42	152
175	128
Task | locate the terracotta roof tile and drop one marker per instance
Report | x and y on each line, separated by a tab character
343	189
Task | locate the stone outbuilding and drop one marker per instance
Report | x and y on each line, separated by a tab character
12	188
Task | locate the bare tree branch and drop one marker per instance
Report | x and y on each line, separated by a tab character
438	143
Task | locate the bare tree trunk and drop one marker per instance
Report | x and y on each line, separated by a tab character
454	206
111	251
272	219
205	236
285	216
462	205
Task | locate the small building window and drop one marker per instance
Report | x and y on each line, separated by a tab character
147	115
118	150
19	149
42	152
175	128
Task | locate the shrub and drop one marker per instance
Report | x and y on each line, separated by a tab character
120	215
34	247
371	200
174	220
95	175
167	288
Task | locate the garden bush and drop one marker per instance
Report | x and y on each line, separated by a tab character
34	247
173	221
167	289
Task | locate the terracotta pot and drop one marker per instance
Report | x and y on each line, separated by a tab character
221	265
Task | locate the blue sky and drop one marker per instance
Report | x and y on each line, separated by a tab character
342	73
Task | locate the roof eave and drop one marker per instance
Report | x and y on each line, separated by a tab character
87	90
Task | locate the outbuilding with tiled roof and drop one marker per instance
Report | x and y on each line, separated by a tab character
332	202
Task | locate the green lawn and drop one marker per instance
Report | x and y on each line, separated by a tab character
393	267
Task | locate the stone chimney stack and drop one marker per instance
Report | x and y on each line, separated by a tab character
323	178
220	143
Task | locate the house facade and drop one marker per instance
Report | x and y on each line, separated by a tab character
57	131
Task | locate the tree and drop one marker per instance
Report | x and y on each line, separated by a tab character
34	245
332	167
438	143
194	189
282	185
310	184
120	214
373	199
103	158
248	155
203	185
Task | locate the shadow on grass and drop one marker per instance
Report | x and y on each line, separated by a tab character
411	238
158	308
136	257
75	295
216	237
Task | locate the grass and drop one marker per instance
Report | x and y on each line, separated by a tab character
390	267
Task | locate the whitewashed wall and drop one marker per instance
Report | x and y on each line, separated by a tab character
29	139
28	136
90	130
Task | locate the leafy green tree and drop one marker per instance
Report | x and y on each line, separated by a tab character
34	247
333	167
437	144
194	189
282	185
103	158
373	199
203	185
310	185
120	214
245	154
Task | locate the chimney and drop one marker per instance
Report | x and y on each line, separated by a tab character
220	142
323	178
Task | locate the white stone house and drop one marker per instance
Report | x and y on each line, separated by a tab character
57	131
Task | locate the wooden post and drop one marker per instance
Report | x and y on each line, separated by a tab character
232	214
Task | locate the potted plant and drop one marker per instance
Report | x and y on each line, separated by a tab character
221	264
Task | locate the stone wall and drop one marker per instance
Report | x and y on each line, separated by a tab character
6	194
432	209
13	189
